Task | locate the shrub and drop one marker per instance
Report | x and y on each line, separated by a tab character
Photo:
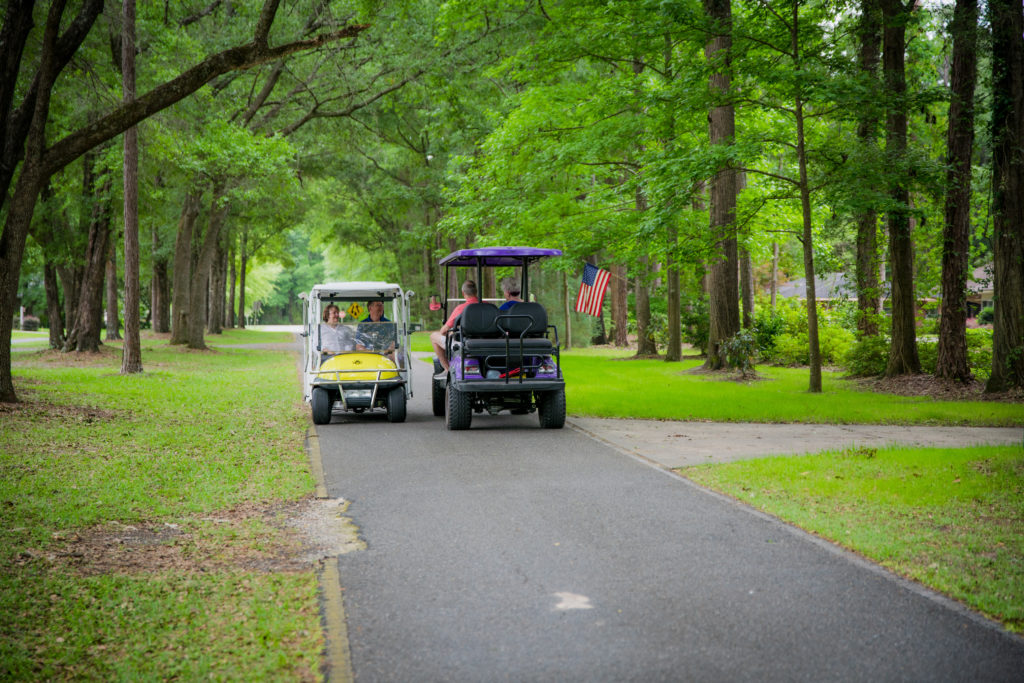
29	323
790	349
867	357
979	353
834	342
928	354
987	316
768	325
696	323
740	350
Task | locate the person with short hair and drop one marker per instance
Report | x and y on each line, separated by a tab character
334	338
375	332
510	288
438	338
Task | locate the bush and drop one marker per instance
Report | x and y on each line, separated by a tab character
740	350
768	325
834	342
29	323
696	323
928	354
867	357
987	316
979	353
790	349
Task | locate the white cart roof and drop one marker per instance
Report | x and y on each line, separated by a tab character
357	290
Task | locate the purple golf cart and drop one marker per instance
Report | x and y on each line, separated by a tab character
499	360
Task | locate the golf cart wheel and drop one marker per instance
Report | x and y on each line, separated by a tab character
437	391
459	413
321	406
396	404
551	409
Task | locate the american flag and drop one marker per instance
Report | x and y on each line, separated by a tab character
591	294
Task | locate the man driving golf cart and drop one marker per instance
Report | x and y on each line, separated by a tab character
494	360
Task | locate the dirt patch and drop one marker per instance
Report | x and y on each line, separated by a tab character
35	410
933	387
280	538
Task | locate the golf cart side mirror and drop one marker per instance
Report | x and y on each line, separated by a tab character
435	305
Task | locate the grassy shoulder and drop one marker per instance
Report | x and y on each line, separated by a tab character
951	519
142	526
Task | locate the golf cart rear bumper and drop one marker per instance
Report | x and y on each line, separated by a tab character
492	386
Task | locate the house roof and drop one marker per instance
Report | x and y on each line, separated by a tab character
828	286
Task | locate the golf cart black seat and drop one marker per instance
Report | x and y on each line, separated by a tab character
478	321
484	329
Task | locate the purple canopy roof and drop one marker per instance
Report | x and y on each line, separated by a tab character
497	256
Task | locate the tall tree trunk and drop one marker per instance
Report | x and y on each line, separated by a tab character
218	278
53	309
806	238
952	352
131	353
229	319
160	291
866	270
30	181
645	343
903	358
112	313
242	266
1008	194
183	268
85	332
775	274
70	278
620	307
201	274
723	303
568	310
674	351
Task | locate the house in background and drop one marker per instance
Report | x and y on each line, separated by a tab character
838	287
980	290
828	287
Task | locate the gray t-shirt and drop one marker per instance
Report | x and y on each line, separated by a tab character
336	339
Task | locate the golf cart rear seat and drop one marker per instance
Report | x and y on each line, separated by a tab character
486	331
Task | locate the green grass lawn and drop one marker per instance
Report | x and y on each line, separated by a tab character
952	519
197	453
602	384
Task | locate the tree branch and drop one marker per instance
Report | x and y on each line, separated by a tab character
128	114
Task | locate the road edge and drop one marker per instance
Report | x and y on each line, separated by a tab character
338	656
337	664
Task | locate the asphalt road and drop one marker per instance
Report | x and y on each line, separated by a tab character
511	553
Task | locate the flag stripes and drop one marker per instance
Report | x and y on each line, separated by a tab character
592	289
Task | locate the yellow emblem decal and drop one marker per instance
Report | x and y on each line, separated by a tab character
355	310
357	362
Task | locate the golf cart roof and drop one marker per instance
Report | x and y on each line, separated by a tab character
356	290
497	256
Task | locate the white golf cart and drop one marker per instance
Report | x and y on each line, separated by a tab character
356	364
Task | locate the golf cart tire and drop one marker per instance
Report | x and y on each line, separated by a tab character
321	406
437	392
551	409
459	414
396	404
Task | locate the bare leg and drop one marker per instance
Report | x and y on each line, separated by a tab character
438	340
